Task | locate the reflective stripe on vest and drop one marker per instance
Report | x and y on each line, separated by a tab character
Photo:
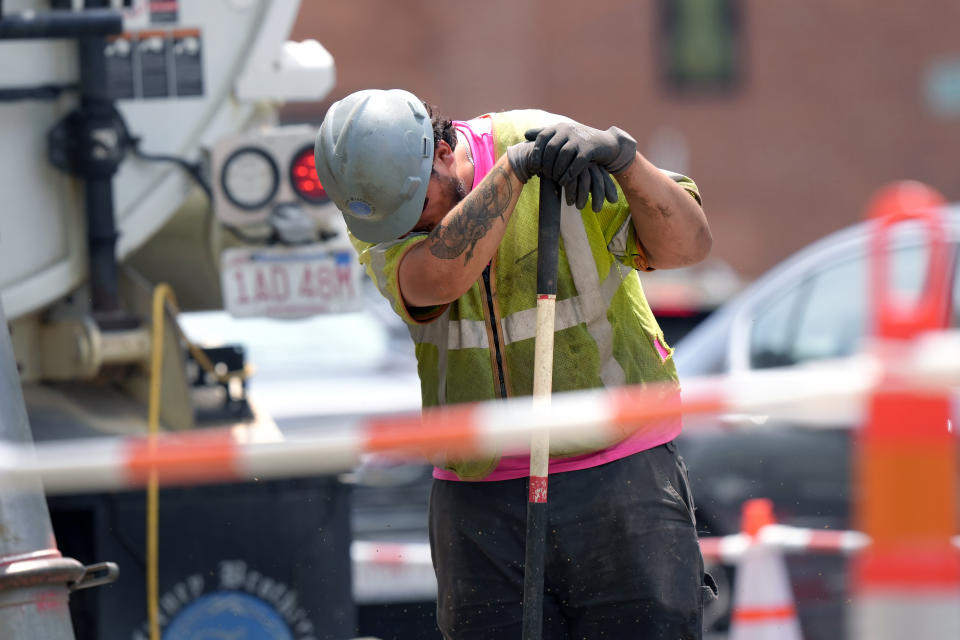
583	268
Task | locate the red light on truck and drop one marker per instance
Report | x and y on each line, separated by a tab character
303	177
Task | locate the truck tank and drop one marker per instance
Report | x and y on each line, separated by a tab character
110	111
184	74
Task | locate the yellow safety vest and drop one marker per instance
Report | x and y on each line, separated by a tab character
481	346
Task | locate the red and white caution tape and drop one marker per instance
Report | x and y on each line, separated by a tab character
392	572
386	571
214	455
729	549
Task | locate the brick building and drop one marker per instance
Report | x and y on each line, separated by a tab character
788	114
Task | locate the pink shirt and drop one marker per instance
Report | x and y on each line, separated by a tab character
479	135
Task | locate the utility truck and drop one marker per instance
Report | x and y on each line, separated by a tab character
142	166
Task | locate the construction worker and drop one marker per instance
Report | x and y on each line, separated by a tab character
444	217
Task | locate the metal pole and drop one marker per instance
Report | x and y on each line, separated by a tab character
90	142
100	153
548	242
33	576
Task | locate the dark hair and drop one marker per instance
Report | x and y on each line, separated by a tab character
442	127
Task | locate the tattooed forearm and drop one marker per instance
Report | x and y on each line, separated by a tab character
460	231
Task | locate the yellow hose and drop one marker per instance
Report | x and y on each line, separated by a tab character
162	293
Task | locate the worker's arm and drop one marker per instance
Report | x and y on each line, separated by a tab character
670	223
445	265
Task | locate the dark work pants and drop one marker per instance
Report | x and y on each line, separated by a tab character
622	558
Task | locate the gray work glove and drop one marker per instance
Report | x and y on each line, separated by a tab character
568	149
525	161
592	180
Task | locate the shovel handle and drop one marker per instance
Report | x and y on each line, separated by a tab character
548	251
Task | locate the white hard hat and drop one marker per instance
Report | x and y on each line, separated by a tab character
374	154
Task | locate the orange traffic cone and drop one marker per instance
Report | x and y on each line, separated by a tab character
906	583
763	606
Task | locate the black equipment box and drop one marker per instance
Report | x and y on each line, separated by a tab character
260	561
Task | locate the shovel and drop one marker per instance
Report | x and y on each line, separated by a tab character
548	240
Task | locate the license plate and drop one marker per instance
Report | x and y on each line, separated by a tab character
290	282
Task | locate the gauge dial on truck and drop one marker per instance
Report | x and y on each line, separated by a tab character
250	178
